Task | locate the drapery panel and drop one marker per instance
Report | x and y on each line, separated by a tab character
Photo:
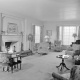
34	33
79	33
57	30
41	33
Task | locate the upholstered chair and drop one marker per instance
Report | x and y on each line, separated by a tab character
57	46
43	48
73	75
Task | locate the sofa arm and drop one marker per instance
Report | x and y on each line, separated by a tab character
57	77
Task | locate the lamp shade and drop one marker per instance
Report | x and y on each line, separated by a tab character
74	35
30	37
46	37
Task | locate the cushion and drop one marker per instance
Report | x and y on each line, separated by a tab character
75	73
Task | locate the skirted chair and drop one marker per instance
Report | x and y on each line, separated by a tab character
57	46
43	48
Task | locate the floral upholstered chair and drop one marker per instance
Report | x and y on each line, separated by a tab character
43	48
74	74
57	46
4	60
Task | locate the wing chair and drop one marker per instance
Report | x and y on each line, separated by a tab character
43	48
57	46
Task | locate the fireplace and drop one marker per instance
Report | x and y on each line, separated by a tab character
10	46
11	43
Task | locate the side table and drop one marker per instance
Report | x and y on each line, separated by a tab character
62	64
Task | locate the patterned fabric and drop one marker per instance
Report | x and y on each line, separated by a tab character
75	73
4	57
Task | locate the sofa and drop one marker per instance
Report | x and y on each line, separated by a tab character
73	50
74	74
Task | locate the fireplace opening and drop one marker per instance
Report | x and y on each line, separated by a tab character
7	44
10	46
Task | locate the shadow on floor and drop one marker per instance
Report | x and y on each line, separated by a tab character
26	66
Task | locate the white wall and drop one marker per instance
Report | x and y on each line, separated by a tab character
25	25
16	36
52	26
29	23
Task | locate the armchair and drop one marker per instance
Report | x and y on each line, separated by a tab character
43	48
57	46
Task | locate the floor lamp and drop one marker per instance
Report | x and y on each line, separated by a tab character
30	38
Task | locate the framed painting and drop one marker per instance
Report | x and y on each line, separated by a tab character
49	32
12	28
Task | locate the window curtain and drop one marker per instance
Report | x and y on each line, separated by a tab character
79	33
57	30
41	33
34	33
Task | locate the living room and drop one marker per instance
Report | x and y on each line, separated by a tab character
19	19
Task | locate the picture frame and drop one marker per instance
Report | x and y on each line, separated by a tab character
49	32
12	28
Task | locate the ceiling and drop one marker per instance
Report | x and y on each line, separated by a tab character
44	10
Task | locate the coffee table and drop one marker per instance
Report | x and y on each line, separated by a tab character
62	64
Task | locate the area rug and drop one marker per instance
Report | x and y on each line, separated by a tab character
36	67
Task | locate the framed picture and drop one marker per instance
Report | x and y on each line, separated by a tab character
49	32
12	28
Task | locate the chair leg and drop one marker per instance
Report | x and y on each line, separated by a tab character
17	65
8	68
3	68
12	69
20	65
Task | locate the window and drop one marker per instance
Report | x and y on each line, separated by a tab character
37	34
66	32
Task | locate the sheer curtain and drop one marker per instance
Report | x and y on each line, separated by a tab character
66	32
38	34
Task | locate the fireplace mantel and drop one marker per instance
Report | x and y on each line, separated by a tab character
16	39
10	35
